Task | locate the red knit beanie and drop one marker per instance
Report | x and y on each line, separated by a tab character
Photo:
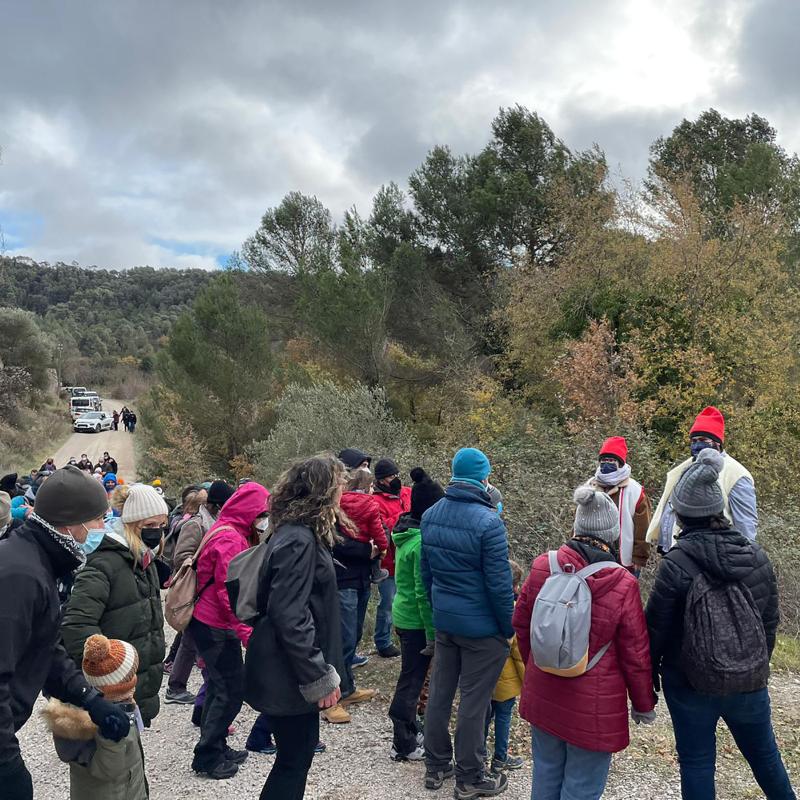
711	422
615	446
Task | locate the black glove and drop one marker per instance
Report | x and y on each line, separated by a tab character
16	780
113	722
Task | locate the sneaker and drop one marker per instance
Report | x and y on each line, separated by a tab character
268	749
336	715
389	652
417	754
487	786
359	661
183	698
420	739
223	771
235	756
359	696
320	748
435	778
379	576
512	762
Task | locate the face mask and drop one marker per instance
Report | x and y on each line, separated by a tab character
93	539
607	467
698	447
262	525
394	485
152	537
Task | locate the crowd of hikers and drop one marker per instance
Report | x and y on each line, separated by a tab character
268	591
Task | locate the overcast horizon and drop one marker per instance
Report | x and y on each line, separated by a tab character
150	133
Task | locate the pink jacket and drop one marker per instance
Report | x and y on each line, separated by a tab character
233	530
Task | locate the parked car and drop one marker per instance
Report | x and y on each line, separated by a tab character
95	398
77	391
93	421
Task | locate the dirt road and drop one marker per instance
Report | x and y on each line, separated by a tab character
118	443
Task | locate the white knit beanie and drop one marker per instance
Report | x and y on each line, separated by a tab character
143	502
596	514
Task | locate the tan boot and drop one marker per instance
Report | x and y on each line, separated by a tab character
359	696
336	715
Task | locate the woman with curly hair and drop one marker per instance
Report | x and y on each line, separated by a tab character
294	658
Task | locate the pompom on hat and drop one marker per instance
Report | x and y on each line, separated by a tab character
596	515
425	492
110	665
698	494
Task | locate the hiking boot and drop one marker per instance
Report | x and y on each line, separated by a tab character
223	771
435	778
320	748
336	715
359	696
512	762
235	756
266	749
487	786
379	575
389	652
417	754
359	661
183	698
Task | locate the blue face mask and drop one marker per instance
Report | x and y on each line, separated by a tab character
93	539
697	448
606	468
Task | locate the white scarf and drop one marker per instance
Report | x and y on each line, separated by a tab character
613	478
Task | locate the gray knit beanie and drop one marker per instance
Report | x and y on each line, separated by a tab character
596	514
698	493
70	497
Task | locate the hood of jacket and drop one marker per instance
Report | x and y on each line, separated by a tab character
407	529
68	722
466	493
725	555
243	507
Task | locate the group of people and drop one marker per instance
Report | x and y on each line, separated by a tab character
127	417
571	639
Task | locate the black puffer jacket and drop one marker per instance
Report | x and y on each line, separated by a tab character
724	555
294	657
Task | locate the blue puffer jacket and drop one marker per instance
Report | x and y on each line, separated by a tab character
464	565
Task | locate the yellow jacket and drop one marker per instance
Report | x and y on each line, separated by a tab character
510	683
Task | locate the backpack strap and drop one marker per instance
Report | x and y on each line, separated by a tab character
597	656
684	560
552	558
204	541
592	569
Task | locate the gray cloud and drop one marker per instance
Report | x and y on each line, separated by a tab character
154	132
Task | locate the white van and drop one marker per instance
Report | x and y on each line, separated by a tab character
80	405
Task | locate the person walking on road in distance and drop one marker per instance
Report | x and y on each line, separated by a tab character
580	718
736	483
298	633
466	573
393	500
712	618
33	558
115	419
613	476
85	463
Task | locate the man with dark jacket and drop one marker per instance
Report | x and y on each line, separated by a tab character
709	551
32	559
465	570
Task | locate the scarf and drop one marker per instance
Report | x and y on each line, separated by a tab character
71	548
613	478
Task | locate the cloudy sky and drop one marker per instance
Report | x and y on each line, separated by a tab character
158	131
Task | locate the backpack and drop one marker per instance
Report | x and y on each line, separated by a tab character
562	619
724	648
242	582
183	594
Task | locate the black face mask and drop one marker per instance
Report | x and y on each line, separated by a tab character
394	486
152	537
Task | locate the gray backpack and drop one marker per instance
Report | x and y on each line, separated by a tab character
242	583
562	618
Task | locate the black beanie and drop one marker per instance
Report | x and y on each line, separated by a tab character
424	493
353	458
219	493
8	483
386	467
70	497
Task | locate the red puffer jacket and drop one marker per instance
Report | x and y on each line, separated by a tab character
590	711
364	512
392	507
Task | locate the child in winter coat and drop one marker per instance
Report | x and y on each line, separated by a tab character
99	768
363	511
508	689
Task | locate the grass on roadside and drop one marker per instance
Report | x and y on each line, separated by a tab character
786	657
26	445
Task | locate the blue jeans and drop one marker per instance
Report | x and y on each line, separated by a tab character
562	771
353	609
500	712
748	717
383	619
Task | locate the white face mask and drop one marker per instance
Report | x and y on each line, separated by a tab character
262	525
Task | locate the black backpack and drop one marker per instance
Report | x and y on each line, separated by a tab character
724	649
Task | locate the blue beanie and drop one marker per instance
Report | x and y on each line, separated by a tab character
470	465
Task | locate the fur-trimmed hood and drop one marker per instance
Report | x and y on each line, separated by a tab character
68	722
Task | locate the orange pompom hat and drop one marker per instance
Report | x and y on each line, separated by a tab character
110	665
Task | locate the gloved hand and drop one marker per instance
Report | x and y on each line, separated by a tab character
429	648
113	722
656	679
643	717
16	780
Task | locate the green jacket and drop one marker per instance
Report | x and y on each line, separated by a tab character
114	596
411	609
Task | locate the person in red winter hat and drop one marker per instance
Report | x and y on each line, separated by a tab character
738	487
613	476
